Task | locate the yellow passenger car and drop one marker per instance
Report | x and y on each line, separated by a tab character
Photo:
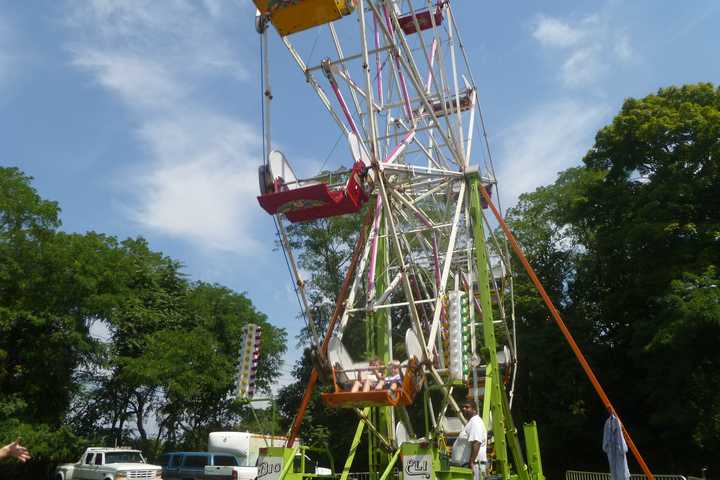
290	16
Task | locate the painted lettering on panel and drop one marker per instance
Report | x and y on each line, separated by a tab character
417	467
269	468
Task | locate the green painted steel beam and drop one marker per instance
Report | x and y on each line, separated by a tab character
487	399
379	346
521	467
490	345
288	454
353	446
504	430
391	465
532	447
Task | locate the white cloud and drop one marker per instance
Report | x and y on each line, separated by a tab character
186	33
589	47
140	82
549	139
204	181
552	32
582	67
199	179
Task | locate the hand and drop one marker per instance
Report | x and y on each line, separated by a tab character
16	450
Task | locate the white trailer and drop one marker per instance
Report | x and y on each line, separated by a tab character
244	444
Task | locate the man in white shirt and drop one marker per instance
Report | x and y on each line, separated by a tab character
476	435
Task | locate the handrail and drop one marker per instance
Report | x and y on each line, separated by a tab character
581	475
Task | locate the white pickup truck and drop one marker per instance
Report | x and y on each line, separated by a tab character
109	464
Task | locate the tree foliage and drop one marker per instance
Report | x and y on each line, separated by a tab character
106	341
325	248
628	246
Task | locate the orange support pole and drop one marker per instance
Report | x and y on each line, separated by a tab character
566	333
303	406
339	308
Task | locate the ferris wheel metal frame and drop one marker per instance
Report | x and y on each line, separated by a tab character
411	122
426	226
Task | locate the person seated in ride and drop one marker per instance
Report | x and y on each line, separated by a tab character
366	384
393	380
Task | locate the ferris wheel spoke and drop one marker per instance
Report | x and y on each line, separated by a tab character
344	69
471	124
384	296
446	266
314	83
419	214
422	195
410	67
354	288
423	149
391	222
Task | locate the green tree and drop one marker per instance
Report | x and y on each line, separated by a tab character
43	337
612	239
191	368
166	351
655	218
551	386
141	292
689	326
325	248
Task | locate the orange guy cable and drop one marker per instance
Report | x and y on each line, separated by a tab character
568	336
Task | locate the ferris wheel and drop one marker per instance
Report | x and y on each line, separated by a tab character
393	76
395	80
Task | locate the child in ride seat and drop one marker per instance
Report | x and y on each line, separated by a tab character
393	380
376	370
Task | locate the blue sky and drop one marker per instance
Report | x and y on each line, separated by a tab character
142	117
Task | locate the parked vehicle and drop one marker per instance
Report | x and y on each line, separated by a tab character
109	464
193	465
246	445
243	444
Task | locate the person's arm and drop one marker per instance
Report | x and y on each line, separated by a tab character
14	449
474	451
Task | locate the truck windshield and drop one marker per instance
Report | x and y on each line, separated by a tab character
124	457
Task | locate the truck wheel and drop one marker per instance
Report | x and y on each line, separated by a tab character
59	476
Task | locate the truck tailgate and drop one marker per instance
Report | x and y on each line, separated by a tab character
226	473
